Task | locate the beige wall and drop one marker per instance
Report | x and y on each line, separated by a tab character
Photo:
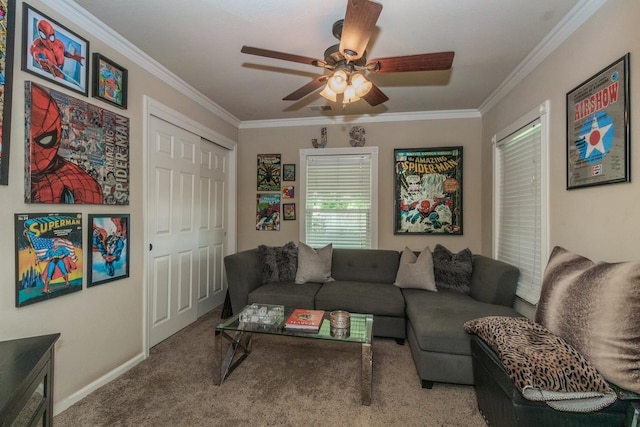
386	135
601	222
102	327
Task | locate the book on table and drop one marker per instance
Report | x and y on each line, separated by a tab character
305	320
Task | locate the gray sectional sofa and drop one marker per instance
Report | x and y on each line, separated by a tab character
432	322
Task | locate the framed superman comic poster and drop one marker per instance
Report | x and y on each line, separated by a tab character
428	191
48	256
598	129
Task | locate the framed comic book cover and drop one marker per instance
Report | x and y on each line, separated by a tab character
53	52
87	163
269	172
428	190
268	212
48	256
108	237
598	128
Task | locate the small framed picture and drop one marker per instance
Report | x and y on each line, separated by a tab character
289	210
289	172
108	248
109	81
53	52
288	192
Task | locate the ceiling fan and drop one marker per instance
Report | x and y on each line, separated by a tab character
347	61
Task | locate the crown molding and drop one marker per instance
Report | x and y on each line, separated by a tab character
97	28
339	120
577	16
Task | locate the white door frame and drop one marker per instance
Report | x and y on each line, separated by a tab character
151	107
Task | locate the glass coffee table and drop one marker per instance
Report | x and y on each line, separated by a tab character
236	334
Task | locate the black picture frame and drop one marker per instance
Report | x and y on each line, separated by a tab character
108	243
599	129
39	57
289	211
110	81
428	191
7	35
289	172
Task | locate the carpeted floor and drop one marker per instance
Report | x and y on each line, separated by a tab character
284	382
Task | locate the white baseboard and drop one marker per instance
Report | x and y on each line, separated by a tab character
90	388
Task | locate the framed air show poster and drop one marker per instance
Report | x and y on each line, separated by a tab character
48	256
598	128
76	153
428	191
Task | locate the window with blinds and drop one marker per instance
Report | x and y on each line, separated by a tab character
338	202
520	204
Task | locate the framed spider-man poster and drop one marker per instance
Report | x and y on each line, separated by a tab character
53	52
269	172
76	153
108	248
48	256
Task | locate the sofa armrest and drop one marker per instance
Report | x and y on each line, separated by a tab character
244	274
493	281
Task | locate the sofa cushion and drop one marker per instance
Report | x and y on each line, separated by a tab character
381	299
416	271
453	271
438	318
365	265
314	265
288	294
596	308
278	263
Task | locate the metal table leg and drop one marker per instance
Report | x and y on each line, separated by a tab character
367	368
227	362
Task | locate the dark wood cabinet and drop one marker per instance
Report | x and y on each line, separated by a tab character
26	381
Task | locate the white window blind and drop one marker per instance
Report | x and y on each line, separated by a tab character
338	200
520	210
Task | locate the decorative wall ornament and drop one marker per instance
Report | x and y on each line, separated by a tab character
357	136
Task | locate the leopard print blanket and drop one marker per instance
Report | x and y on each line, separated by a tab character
543	366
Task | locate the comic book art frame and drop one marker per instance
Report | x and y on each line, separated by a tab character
598	128
7	34
288	211
268	212
73	73
268	172
289	172
110	81
108	242
428	191
49	256
87	164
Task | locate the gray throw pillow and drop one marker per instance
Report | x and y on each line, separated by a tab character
453	271
278	263
314	265
416	271
596	308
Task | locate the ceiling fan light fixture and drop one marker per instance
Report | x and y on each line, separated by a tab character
350	95
329	94
361	85
338	82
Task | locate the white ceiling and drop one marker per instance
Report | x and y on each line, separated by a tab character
200	41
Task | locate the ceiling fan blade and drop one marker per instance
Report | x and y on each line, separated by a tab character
359	23
281	55
306	89
375	96
422	62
